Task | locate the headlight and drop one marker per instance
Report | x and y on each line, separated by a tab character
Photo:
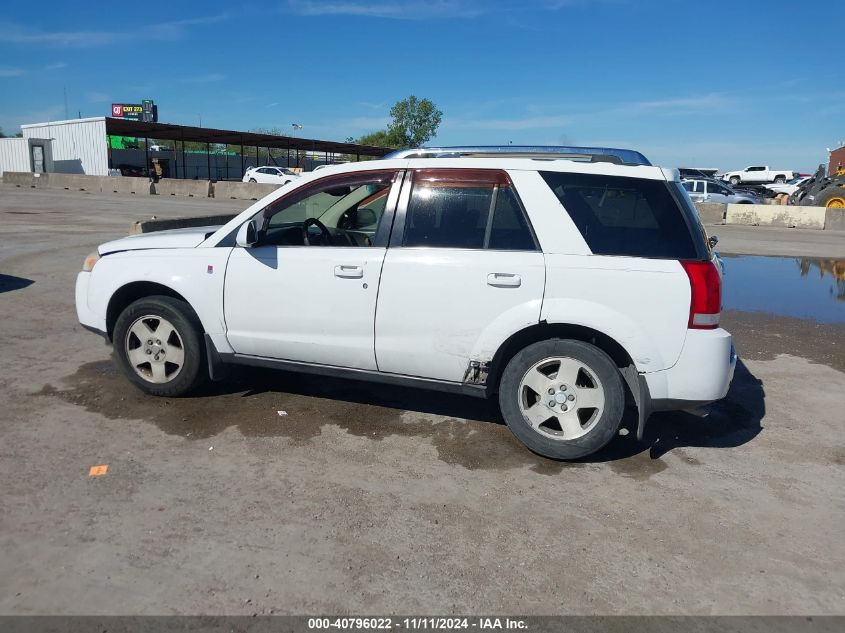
92	259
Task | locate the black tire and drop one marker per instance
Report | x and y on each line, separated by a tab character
193	370
832	196
779	180
734	180
598	362
253	180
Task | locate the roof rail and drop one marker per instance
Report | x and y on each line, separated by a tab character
588	154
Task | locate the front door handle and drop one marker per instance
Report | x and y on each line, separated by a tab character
504	280
348	272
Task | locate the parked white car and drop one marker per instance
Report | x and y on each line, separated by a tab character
271	175
790	186
758	174
566	288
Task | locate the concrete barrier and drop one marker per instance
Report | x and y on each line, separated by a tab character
150	226
189	188
711	212
834	220
126	184
75	182
25	179
774	215
225	189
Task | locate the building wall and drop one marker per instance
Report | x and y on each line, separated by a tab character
837	160
14	155
79	145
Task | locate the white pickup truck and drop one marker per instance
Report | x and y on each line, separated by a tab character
758	174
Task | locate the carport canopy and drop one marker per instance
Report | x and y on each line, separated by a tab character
172	132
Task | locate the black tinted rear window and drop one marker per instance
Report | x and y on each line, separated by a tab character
633	217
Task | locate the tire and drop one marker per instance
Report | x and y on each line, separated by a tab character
734	180
160	366
779	180
576	370
253	180
832	198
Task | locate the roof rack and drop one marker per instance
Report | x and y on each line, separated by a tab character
548	152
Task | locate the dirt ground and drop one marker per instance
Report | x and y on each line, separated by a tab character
373	499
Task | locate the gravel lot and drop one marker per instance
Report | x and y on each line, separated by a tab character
369	499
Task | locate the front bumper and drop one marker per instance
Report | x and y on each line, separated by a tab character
87	317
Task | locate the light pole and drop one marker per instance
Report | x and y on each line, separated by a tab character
296	127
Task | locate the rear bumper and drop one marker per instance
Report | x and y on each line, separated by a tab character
702	374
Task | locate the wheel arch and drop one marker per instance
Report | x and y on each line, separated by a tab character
544	331
133	291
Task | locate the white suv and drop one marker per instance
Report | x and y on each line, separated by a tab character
569	282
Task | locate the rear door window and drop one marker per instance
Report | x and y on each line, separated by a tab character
465	208
634	217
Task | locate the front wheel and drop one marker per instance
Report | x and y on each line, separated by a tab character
158	346
563	399
253	180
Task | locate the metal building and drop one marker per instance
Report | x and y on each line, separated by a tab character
77	146
81	146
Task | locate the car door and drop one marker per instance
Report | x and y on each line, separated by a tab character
308	293
695	190
716	193
462	260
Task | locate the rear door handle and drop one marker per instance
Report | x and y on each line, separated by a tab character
504	280
348	272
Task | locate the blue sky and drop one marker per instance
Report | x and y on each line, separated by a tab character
721	84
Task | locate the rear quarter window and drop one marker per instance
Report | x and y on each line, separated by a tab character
633	217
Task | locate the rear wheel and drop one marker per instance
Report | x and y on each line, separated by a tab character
253	180
563	399
779	180
734	180
157	343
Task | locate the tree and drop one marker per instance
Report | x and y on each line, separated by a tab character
1	133
413	122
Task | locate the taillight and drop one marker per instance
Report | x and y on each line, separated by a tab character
706	295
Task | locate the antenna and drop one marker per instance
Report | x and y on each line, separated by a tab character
64	90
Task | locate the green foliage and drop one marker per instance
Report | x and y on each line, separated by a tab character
414	123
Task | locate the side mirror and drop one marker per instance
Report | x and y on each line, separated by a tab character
713	240
247	235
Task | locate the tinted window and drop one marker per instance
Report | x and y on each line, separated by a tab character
712	187
465	209
689	186
699	186
625	216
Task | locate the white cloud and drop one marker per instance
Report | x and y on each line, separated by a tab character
391	9
11	33
11	72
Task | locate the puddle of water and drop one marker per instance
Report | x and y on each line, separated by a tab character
464	431
479	441
802	287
